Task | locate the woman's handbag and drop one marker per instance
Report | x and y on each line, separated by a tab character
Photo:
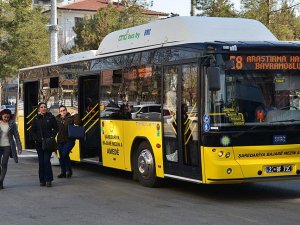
49	144
76	132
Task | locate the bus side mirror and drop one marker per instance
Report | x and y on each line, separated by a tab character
229	64
213	78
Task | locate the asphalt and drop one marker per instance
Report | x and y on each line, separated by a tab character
97	195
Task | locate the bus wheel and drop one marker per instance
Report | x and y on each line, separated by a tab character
145	165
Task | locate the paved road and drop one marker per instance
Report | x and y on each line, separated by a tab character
96	195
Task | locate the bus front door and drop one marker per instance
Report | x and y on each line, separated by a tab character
31	95
89	112
180	122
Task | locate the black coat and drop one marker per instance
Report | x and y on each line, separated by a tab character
44	126
63	124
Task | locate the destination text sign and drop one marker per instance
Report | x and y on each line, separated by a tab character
266	62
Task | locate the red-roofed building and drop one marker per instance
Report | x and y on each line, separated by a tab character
69	14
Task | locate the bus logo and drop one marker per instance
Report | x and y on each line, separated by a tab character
147	32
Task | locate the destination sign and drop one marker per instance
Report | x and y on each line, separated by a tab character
266	62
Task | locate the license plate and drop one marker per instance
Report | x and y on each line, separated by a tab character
279	169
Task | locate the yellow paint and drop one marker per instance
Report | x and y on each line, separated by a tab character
117	138
254	158
247	161
30	114
20	120
112	142
75	153
215	167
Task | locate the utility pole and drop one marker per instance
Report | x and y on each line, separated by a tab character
193	7
53	28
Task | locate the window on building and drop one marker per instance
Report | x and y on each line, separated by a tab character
78	20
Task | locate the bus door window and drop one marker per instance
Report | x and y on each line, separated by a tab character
189	114
170	120
90	102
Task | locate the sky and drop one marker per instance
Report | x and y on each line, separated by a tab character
182	7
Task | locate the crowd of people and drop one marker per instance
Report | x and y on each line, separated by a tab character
49	133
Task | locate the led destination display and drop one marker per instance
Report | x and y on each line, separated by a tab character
266	62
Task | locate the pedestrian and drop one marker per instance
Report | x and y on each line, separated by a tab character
65	144
9	142
44	126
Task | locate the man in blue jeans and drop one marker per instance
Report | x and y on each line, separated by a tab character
65	144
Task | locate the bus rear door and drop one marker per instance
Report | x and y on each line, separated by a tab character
31	94
89	112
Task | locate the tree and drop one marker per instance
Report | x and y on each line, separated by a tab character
285	25
216	8
279	17
140	3
91	31
259	9
193	3
24	37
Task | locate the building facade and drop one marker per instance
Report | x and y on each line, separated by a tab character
71	12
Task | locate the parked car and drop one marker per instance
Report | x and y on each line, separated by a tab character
12	108
139	111
110	112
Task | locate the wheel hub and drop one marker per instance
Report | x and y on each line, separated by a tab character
145	163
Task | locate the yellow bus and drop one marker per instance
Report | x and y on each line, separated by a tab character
205	100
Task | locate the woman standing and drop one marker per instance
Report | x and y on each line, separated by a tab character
44	126
65	144
9	142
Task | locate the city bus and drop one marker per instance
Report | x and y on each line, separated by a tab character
199	99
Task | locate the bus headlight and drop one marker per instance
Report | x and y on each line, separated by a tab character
229	171
227	155
220	154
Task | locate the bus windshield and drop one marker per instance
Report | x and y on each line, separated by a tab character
255	97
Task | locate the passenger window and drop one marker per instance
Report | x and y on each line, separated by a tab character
142	89
155	109
111	96
144	110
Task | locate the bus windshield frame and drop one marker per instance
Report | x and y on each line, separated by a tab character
258	91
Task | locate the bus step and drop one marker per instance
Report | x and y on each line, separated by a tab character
94	160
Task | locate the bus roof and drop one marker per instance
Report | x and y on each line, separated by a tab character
77	56
182	30
67	59
174	31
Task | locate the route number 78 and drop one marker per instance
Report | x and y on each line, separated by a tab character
238	62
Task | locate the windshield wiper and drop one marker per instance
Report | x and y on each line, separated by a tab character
245	131
282	121
258	125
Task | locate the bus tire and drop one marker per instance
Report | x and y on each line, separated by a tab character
145	165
